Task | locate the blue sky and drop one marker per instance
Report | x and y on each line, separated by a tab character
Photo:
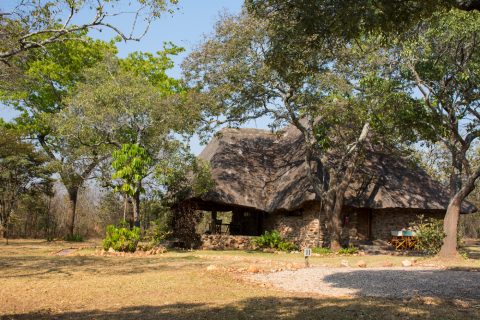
185	28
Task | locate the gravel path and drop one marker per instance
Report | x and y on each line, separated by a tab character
378	282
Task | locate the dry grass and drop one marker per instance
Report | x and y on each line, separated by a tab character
35	284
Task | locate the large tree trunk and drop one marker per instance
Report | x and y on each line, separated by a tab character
72	209
332	222
450	224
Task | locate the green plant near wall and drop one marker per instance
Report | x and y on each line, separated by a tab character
430	235
347	251
273	240
322	250
121	238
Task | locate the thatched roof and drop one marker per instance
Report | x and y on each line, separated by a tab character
264	171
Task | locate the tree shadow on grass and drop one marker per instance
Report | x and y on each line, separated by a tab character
268	308
398	284
35	266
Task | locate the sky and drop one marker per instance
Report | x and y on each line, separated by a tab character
185	28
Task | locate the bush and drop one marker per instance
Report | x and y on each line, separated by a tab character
274	240
320	250
349	250
73	238
430	235
121	239
157	232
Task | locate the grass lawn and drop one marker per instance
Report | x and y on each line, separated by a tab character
37	284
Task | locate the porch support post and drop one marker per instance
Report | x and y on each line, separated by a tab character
213	224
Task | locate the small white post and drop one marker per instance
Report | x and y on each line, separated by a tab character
307	252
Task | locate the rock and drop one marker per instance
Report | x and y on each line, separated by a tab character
388	264
253	269
298	265
361	264
406	263
160	250
110	250
212	268
268	250
344	263
461	303
361	253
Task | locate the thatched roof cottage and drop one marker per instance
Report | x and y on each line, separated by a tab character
261	179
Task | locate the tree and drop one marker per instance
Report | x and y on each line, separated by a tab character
32	24
23	170
442	61
322	91
309	22
47	77
127	106
131	164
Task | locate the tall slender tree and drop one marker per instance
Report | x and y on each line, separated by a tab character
47	78
23	170
128	106
442	62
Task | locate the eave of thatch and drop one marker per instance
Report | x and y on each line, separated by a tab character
263	171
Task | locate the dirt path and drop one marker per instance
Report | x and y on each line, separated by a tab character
379	282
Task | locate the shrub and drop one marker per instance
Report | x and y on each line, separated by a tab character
157	232
349	250
287	246
430	235
73	238
321	250
121	239
274	240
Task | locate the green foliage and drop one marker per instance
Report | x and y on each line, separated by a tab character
74	238
287	246
321	250
183	175
300	23
154	68
430	235
24	171
158	231
274	240
348	251
131	163
33	24
121	238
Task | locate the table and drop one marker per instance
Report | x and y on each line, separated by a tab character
403	242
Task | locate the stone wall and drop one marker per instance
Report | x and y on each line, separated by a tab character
302	228
386	220
226	242
305	229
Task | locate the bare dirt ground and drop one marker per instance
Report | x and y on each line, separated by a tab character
36	283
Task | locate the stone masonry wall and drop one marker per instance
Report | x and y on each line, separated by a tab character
386	220
306	230
226	242
302	228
